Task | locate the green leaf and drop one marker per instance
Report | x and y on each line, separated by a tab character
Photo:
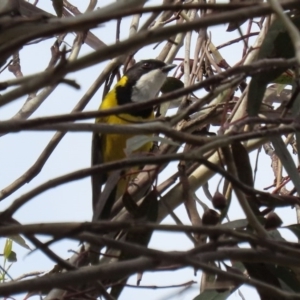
242	162
276	44
295	112
286	160
297	135
20	241
238	265
285	79
244	171
171	84
287	276
136	142
275	234
241	223
224	212
12	257
212	295
262	272
58	7
295	229
7	248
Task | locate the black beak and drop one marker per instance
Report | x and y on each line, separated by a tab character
168	68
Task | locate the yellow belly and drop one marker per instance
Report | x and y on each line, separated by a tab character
113	149
114	145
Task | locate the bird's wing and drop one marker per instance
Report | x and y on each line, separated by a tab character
98	178
102	201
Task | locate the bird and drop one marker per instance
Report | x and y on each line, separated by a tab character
139	83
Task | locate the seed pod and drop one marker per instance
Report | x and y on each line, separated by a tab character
210	217
272	221
219	201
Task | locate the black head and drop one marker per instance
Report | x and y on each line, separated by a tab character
145	66
144	80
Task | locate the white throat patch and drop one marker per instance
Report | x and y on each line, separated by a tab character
148	86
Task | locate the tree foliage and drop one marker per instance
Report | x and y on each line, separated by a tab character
210	116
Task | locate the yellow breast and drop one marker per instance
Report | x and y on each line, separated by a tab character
113	149
114	145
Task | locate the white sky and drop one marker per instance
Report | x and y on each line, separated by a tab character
72	201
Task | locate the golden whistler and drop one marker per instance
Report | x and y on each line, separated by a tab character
140	83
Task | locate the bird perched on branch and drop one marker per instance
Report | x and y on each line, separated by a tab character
140	83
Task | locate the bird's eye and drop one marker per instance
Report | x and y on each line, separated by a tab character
146	65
